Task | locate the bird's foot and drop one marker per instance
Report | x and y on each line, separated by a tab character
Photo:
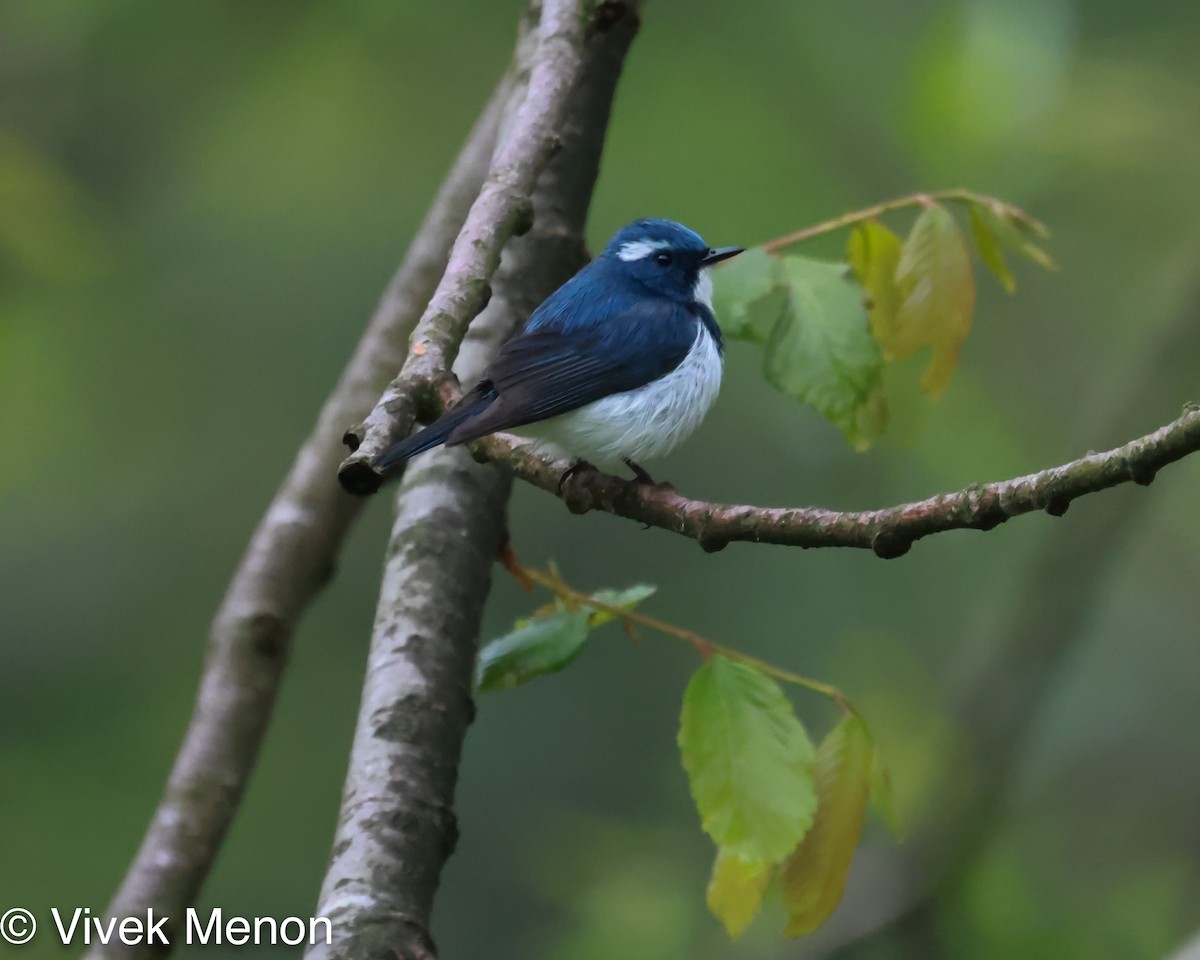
640	474
577	467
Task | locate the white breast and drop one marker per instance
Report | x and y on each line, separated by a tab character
645	423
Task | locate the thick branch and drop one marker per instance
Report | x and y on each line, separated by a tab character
289	557
397	825
502	209
890	531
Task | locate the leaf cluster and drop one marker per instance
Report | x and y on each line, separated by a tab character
779	810
828	328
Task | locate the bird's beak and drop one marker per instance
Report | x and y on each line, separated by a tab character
718	254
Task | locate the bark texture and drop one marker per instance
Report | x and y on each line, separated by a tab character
397	827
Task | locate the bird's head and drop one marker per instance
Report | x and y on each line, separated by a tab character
666	257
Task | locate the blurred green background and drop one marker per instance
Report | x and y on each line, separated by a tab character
199	205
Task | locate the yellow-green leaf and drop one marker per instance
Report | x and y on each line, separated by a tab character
938	286
990	251
814	876
1016	233
748	760
874	253
735	891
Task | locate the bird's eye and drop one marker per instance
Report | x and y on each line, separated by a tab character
662	259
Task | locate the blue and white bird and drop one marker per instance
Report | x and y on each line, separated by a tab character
618	365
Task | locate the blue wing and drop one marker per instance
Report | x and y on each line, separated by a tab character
560	362
590	339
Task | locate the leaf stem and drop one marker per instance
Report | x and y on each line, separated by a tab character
956	195
553	582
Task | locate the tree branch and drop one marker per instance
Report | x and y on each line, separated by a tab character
889	532
289	558
502	209
397	825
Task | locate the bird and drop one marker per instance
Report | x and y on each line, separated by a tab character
617	366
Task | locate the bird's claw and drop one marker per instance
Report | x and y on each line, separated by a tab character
577	467
640	474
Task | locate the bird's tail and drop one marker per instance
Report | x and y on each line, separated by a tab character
433	435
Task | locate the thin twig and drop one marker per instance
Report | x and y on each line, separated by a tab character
956	195
705	647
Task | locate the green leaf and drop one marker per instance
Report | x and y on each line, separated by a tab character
748	760
735	891
534	648
821	351
746	294
990	251
626	599
550	640
874	253
1016	232
814	876
938	286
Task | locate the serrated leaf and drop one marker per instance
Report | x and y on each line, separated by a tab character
990	251
748	761
874	253
735	891
938	286
626	599
739	288
820	349
533	649
814	876
1016	233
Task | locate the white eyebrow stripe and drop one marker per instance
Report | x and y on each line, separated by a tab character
638	249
